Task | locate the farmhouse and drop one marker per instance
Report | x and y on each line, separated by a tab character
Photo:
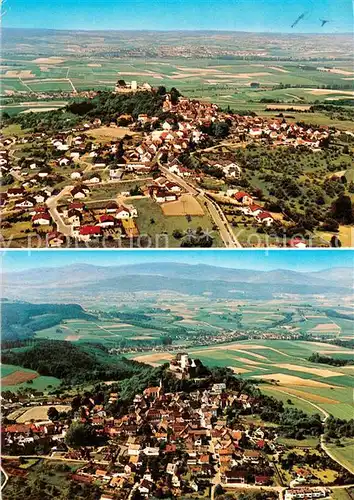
106	221
55	239
74	216
305	493
79	192
41	219
265	218
87	233
243	197
15	192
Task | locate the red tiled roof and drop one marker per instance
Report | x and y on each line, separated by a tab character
107	218
41	216
240	195
86	230
76	205
264	215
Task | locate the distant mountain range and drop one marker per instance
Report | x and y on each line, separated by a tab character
182	278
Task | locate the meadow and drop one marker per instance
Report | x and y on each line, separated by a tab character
14	378
345	452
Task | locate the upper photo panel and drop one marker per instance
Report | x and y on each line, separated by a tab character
177	124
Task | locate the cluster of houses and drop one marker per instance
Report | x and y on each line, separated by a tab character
168	441
246	204
162	190
88	225
37	179
277	132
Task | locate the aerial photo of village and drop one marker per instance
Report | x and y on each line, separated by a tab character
177	375
176	250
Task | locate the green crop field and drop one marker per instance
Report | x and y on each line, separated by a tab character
345	452
40	383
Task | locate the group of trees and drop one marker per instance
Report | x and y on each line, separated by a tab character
71	363
39	485
106	106
327	360
299	184
338	428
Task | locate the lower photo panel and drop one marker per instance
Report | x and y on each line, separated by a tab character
150	374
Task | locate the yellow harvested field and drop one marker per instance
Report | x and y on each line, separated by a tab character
235	369
49	60
185	205
308	316
282	70
340	71
328	92
24	73
199	70
102	132
39	413
39	110
117	325
141	337
307	395
325	327
321	372
72	338
151	359
337	351
151	74
94	65
345	234
286	380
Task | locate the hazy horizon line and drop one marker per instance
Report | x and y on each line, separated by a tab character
196	30
162	262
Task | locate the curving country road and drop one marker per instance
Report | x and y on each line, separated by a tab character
52	204
322	440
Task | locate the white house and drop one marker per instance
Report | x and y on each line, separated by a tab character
76	175
122	213
265	218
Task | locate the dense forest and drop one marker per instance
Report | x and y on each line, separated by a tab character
106	106
20	320
71	363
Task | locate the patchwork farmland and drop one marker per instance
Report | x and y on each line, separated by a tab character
283	371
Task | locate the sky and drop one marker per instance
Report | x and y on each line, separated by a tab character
296	260
235	15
